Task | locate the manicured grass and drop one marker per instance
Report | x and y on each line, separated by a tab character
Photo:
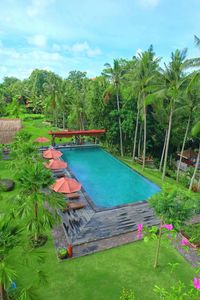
153	174
38	128
102	275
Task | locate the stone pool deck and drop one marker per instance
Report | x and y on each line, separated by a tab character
86	225
91	231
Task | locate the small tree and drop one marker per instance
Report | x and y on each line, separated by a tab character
36	204
9	239
173	207
11	236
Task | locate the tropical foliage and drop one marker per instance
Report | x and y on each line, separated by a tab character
139	103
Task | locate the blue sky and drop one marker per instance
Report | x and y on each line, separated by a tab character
63	35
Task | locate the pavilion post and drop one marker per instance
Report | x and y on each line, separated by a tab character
53	140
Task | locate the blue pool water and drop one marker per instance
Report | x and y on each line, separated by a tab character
107	181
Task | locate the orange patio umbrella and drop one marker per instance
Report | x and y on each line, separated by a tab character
52	153
66	185
42	140
55	164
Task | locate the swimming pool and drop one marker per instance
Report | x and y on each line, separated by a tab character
107	181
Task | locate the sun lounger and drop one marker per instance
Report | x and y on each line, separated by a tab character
73	196
59	175
73	205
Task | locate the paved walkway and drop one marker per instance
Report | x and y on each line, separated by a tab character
86	225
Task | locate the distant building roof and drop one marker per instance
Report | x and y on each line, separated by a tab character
8	129
189	154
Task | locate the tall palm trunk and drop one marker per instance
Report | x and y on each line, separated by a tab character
139	143
63	120
81	121
167	144
182	149
120	123
3	292
163	151
145	136
195	169
55	117
199	184
36	216
135	137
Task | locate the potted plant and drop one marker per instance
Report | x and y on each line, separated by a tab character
62	253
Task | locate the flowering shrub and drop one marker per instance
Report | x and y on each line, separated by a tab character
168	226
179	289
197	283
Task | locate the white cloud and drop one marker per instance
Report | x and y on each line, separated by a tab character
56	47
9	52
42	55
37	7
149	3
82	49
37	40
29	55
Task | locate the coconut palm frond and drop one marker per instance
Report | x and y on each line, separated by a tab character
196	129
197	41
191	63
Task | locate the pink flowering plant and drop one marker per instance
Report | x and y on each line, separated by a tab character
197	283
173	207
155	233
179	291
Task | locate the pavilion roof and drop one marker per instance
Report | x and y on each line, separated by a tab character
70	133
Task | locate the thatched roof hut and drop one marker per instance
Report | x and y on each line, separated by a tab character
189	154
8	129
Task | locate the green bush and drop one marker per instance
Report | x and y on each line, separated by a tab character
170	173
30	117
184	180
175	205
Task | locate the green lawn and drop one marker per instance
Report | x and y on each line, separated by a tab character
103	275
153	174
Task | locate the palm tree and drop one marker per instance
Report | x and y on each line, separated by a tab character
75	89
196	133
192	103
146	69
10	237
53	100
115	75
14	109
174	78
34	203
7	275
